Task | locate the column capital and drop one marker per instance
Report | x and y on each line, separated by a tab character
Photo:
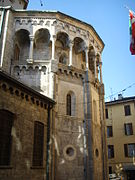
100	63
53	37
31	37
86	48
71	43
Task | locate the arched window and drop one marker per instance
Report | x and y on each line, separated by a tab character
6	123
95	110
16	53
71	104
38	144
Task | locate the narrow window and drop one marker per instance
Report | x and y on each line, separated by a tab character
106	113
128	129
95	111
38	144
69	104
6	122
109	131
16	53
129	150
127	110
110	151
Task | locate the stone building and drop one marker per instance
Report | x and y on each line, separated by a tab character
25	127
60	57
120	123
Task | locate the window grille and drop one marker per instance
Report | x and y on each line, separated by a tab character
38	144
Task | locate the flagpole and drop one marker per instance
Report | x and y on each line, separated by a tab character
129	9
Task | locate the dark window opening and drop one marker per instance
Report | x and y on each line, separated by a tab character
109	131
127	110
6	123
110	151
16	53
128	129
129	150
69	104
106	113
110	169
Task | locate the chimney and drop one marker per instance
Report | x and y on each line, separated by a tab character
120	96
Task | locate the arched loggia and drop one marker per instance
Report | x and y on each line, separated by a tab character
21	46
78	52
42	45
62	47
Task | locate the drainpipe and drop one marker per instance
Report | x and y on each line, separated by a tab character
89	127
84	125
104	146
4	37
48	146
90	170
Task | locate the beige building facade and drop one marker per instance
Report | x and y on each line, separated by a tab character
60	57
120	122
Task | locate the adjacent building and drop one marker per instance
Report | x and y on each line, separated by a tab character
26	119
120	124
59	57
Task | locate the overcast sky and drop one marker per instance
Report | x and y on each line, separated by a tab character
110	19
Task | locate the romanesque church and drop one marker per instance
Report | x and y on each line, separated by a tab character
51	96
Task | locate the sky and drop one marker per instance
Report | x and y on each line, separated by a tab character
110	19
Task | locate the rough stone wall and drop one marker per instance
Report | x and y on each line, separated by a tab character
22	137
69	130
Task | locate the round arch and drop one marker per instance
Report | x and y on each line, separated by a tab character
42	35
91	58
71	103
21	45
79	45
42	44
63	38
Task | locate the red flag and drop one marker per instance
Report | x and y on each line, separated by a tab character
132	19
132	32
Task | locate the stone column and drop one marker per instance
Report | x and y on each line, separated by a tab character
53	46
30	60
70	52
95	67
100	67
86	55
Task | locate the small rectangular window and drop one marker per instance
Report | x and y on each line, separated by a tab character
110	151
38	144
109	131
106	113
128	129
129	150
127	110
